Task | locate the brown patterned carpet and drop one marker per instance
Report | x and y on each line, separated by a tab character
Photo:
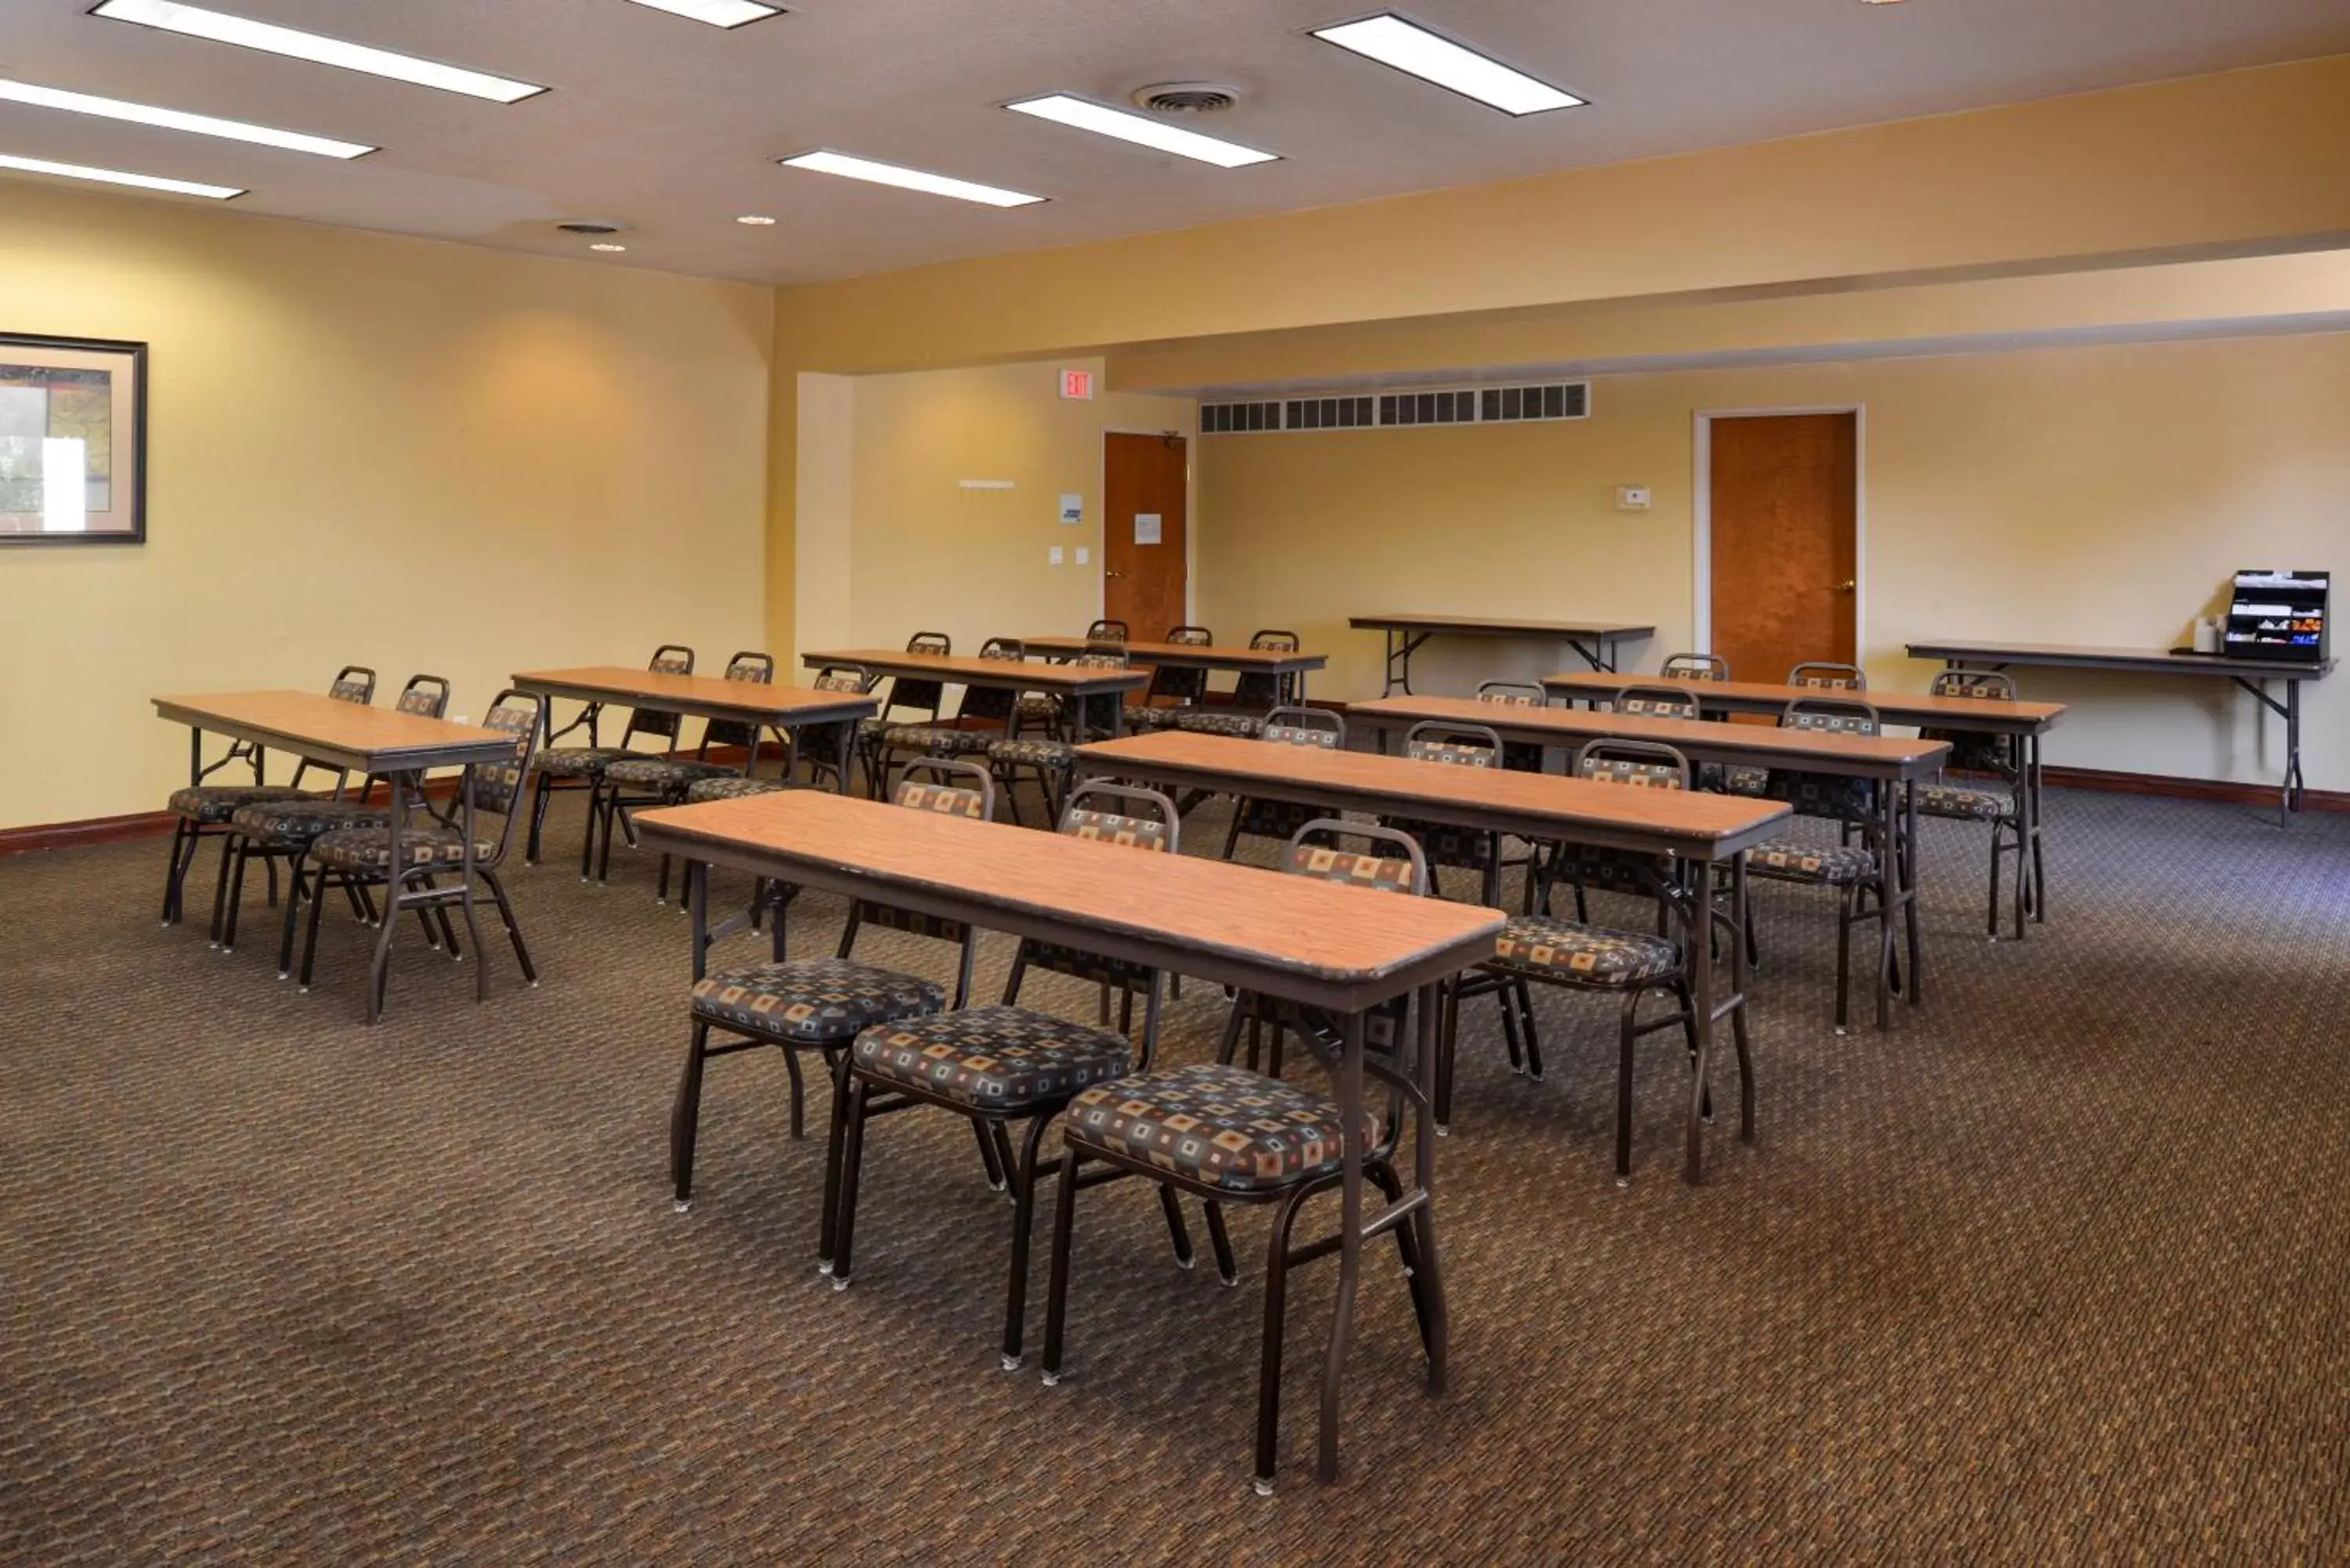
2055	1272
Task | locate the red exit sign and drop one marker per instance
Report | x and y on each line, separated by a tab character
1078	384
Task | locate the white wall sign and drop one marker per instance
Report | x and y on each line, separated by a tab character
1146	527
1073	507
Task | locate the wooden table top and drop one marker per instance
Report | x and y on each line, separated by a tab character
1694	825
1993	715
1740	745
697	694
1270	661
1492	625
1025	675
1309	940
2135	660
347	734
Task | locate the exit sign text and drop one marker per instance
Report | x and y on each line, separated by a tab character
1078	384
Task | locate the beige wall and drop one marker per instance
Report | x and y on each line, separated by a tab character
2091	494
921	553
376	450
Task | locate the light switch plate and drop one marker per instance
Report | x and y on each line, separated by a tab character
1084	555
1055	555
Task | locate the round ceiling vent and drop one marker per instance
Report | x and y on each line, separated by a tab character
591	227
1187	97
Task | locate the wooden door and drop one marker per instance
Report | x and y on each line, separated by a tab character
1784	491
1143	477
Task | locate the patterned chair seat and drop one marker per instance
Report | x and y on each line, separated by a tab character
1218	721
1583	955
813	1001
1224	1125
1754	782
733	787
1139	719
866	729
1056	757
582	762
213	803
670	775
1962	804
1035	708
995	1058
300	820
942	740
370	849
1835	865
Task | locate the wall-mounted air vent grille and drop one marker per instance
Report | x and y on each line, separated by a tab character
1391	410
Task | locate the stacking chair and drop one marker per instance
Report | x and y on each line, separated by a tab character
1829	676
1053	758
1251	697
432	843
1672	702
1279	819
1007	1064
1847	868
1172	691
284	830
202	811
905	692
1539	949
1106	631
629	784
820	746
1695	667
986	714
1226	1135
824	1004
1523	756
1457	848
581	768
1999	756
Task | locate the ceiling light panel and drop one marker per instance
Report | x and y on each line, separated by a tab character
175	119
1141	129
116	177
1416	51
222	28
842	165
717	13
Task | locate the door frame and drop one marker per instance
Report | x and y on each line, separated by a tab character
1190	520
1701	517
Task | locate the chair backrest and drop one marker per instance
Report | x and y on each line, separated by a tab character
426	696
1080	819
1095	713
993	704
1191	635
1656	702
1832	676
1836	796
1182	685
497	786
1405	871
1837	715
668	659
1107	631
1991	684
1513	694
1261	688
843	678
819	744
1971	749
1695	667
1273	641
1648	764
1442	741
353	683
941	792
757	670
920	691
1304	727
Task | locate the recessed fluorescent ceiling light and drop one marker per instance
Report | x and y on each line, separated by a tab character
717	13
1392	41
841	164
222	28
757	220
116	177
173	119
1063	109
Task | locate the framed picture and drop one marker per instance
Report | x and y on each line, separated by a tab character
73	440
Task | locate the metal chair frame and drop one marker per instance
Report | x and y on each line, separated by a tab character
1999	756
642	722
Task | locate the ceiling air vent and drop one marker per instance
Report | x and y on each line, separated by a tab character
1238	419
592	227
1394	407
1558	400
1187	97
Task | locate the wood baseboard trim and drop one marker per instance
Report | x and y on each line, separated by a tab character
2176	788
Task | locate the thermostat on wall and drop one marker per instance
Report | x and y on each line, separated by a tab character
1631	498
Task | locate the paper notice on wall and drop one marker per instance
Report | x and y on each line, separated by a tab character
1073	507
1145	528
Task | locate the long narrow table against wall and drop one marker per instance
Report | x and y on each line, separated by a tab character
1597	643
1296	939
787	708
2254	675
361	740
1067	680
2026	722
1705	830
1896	763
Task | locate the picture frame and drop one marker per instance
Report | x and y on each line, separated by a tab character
73	440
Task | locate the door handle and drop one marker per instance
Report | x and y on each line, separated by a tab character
1109	574
1846	588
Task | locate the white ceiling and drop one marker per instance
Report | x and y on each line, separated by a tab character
673	127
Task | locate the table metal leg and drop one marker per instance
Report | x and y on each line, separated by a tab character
1423	1218
1888	895
380	971
1696	914
1911	869
1350	1234
1737	1003
2039	837
465	888
697	898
